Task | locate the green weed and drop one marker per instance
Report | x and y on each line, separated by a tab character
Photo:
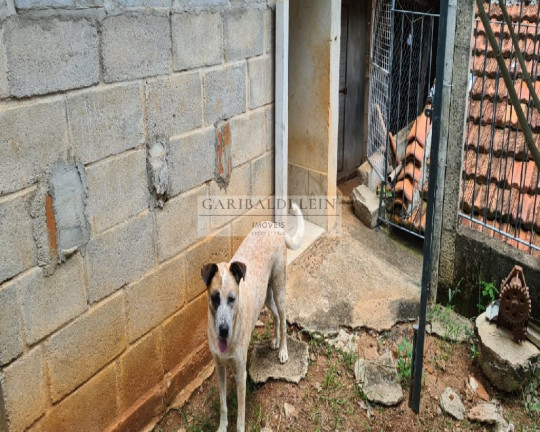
487	293
404	360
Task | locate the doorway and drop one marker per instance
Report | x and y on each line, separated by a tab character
354	48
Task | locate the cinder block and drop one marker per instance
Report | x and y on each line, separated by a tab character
117	189
50	55
22	387
17	247
262	175
191	160
130	4
141	368
243	32
368	176
78	351
214	249
270	128
197	39
178	223
242	226
106	121
224	93
135	46
68	190
155	297
239	185
49	302
58	4
184	332
11	345
120	255
32	137
7	8
92	407
269	31
261	81
4	87
174	105
181	5
247	137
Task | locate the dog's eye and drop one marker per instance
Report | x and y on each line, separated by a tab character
215	300
231	299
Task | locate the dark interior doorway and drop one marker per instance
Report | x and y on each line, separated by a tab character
353	88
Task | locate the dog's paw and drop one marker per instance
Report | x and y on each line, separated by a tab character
283	355
275	343
222	427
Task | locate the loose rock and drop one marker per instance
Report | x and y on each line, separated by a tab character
344	341
490	413
451	404
289	411
507	364
379	380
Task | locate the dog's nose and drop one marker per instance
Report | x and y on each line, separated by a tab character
223	331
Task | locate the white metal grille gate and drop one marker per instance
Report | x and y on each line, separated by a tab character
379	79
402	72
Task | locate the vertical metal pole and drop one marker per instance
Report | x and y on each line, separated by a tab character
282	105
432	190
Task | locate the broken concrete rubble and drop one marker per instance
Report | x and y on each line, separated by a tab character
265	364
366	205
379	380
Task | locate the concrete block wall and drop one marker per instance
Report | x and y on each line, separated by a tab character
115	117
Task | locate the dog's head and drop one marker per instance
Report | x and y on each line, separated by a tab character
222	282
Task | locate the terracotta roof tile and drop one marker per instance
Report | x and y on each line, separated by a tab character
405	189
414	153
481	66
413	172
504	115
420	129
526	13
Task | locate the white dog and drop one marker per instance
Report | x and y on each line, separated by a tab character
237	292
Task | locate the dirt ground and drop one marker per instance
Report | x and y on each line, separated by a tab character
329	400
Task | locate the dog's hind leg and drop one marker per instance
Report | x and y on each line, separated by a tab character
222	386
271	305
279	285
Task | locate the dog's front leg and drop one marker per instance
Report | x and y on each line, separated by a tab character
222	386
240	375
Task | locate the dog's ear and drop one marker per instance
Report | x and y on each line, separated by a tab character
238	269
207	273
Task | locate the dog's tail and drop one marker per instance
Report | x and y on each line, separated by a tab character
296	240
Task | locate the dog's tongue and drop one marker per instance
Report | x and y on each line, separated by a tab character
222	343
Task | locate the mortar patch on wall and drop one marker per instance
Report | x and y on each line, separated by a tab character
68	190
223	155
158	172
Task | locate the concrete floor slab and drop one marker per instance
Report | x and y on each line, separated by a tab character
361	278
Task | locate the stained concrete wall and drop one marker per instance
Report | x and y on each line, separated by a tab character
113	115
315	28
